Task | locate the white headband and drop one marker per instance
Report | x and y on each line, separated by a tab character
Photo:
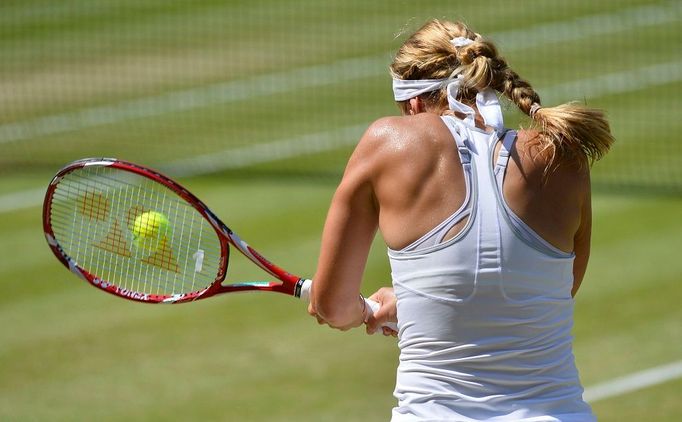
486	100
404	89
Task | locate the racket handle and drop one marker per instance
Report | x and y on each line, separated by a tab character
371	305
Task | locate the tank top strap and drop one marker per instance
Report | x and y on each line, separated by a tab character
461	136
503	158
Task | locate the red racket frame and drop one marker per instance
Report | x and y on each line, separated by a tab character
288	283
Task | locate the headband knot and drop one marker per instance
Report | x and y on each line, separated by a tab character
404	89
461	41
486	100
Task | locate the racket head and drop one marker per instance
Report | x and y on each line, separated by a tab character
134	232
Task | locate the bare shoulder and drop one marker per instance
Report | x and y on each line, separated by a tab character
533	172
539	167
550	195
419	122
398	156
409	138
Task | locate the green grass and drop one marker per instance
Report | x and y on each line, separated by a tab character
259	357
627	308
655	403
69	352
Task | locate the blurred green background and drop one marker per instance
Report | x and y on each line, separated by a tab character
255	106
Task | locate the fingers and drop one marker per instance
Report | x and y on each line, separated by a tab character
376	296
374	325
389	332
387	312
311	310
313	313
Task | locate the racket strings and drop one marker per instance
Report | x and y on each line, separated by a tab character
93	214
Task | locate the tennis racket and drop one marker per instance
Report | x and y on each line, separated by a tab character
137	234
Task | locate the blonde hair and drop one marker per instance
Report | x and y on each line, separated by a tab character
568	132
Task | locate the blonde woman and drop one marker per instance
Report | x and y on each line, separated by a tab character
488	235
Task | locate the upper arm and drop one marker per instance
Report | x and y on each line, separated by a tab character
562	211
349	231
582	240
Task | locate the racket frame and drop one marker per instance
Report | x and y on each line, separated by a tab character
288	283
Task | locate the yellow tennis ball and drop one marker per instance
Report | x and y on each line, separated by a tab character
150	229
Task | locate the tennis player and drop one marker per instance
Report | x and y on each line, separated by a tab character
488	235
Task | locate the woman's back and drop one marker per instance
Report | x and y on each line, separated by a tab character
488	241
484	313
422	183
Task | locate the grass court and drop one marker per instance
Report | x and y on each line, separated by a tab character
256	106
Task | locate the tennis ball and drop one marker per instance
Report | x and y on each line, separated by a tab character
150	230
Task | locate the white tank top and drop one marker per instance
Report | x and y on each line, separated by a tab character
485	318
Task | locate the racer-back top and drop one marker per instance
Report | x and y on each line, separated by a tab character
485	317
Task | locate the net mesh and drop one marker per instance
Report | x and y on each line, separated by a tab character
289	87
133	232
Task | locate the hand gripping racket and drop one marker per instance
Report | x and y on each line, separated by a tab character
137	234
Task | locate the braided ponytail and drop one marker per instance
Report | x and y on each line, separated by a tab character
568	132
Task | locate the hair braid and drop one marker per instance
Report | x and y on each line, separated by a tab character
518	90
570	132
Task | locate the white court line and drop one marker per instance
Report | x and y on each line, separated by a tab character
614	83
265	152
609	84
602	85
633	382
337	72
590	26
223	93
19	200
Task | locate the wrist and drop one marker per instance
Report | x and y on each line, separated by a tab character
364	310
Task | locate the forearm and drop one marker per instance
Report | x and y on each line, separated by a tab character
349	231
346	240
345	317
